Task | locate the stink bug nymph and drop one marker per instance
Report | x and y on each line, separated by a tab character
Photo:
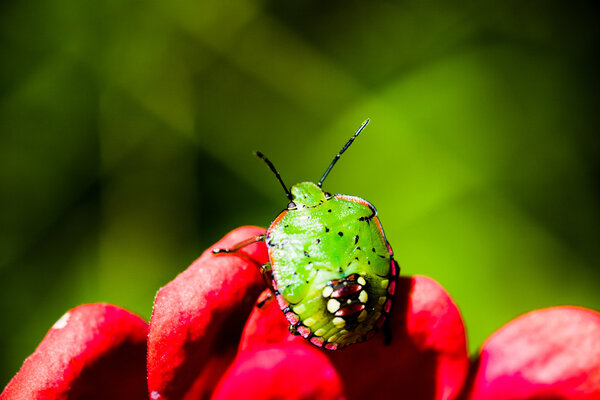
330	266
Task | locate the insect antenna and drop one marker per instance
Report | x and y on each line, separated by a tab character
272	167
337	157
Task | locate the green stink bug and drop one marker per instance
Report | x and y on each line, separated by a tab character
330	266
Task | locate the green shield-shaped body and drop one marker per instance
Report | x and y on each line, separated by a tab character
333	270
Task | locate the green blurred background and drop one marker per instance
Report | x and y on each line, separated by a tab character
127	129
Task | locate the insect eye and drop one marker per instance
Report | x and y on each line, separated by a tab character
328	195
292	206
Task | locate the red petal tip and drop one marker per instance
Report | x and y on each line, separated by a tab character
93	351
198	317
552	353
291	371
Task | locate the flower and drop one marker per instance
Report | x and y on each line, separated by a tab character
94	351
213	334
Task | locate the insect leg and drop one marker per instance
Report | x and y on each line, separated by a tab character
240	245
264	298
267	275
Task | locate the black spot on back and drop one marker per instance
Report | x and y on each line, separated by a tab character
355	239
341	233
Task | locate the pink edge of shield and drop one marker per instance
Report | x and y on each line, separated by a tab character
292	318
392	288
303	331
281	301
388	305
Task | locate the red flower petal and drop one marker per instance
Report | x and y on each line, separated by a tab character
546	354
198	318
95	351
292	371
266	325
427	358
